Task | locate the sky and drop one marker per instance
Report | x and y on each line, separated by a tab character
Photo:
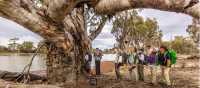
9	29
171	23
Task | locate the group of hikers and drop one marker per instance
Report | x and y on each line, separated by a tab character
150	56
135	59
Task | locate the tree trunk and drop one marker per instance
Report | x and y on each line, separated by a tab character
67	66
59	66
68	40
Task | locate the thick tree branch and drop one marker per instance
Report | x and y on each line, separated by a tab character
191	7
12	10
74	24
96	32
58	9
27	5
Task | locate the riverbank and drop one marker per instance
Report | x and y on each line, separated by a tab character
6	84
20	54
181	77
184	75
6	53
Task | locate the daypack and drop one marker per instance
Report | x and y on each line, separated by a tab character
172	55
132	59
125	58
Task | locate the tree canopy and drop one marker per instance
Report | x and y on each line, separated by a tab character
61	23
132	29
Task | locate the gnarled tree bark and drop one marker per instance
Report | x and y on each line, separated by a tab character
191	7
61	23
65	66
67	40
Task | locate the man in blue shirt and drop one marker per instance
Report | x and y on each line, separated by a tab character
164	62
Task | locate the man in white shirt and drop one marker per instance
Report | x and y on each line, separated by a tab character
98	56
118	63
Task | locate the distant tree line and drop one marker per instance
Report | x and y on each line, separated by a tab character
130	29
182	45
3	49
13	46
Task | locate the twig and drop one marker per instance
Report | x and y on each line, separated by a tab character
26	71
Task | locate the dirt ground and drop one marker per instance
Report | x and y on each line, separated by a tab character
184	75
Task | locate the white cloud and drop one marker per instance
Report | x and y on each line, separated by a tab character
105	39
9	29
3	41
103	43
170	23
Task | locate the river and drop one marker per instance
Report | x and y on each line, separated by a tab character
16	62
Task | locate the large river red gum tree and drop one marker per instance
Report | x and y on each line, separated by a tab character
61	24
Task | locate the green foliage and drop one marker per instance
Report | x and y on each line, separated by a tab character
12	44
129	26
182	45
26	47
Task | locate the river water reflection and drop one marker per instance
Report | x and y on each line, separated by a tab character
16	62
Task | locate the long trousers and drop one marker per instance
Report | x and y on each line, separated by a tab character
153	75
117	70
165	74
98	67
141	72
133	73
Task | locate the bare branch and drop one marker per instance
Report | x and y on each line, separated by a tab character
95	33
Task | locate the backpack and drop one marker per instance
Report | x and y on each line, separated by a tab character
172	55
124	58
132	59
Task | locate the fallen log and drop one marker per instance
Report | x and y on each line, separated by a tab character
17	76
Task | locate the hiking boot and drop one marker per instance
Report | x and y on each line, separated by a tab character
165	85
93	81
168	86
151	84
